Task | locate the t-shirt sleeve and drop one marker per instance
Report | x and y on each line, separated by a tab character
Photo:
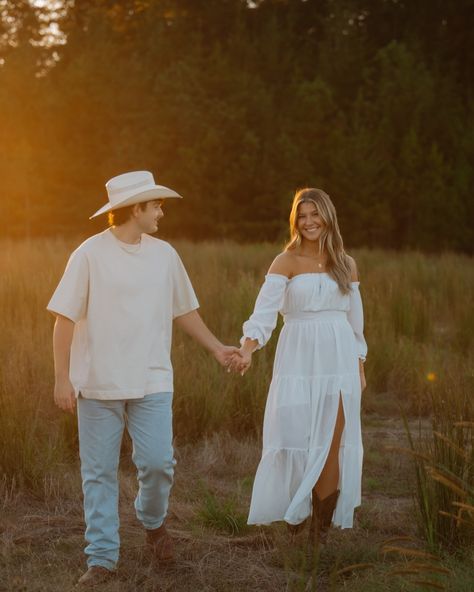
184	298
71	295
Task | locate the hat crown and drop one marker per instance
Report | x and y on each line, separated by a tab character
126	184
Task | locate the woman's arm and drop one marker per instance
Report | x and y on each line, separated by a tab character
356	320
258	329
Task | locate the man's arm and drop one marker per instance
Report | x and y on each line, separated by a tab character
192	324
64	395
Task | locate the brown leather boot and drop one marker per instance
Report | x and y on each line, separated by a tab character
321	519
295	529
160	544
95	576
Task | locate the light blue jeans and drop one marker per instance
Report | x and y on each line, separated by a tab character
101	424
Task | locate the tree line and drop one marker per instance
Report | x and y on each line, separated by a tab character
235	105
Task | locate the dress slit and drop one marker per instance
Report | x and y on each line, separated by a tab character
337	453
300	506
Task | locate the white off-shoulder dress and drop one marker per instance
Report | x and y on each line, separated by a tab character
316	363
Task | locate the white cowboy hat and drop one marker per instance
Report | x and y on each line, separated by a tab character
132	188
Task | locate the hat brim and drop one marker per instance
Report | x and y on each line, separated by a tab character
157	192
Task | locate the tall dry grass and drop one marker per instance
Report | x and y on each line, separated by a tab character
419	326
444	468
30	432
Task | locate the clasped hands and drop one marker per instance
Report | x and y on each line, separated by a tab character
236	360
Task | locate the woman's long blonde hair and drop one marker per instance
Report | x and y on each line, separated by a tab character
330	242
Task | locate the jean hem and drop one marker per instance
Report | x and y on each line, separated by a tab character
154	526
108	564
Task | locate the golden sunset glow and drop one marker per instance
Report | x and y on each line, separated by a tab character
336	342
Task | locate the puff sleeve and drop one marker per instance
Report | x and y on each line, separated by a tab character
265	314
355	316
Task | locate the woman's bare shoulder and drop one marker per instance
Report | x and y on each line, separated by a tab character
283	264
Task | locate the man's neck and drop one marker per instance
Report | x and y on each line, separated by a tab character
127	233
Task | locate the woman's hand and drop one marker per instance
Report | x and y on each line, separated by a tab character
224	354
242	360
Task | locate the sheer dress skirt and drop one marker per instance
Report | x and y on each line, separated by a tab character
316	364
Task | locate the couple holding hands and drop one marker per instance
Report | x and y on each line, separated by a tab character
115	305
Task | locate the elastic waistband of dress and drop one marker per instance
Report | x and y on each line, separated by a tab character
316	315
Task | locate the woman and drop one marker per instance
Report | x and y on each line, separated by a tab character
312	446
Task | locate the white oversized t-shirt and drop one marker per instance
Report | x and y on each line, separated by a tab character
122	299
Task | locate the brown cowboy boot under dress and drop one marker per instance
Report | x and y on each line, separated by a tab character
295	529
321	519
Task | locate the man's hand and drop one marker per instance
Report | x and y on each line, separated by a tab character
363	382
224	354
64	395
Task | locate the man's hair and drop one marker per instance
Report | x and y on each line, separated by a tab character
122	215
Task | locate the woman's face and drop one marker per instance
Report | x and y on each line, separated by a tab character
309	222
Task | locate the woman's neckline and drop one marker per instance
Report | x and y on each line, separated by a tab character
300	274
309	273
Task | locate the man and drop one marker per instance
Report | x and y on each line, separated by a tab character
114	309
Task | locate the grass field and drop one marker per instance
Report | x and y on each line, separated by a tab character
420	330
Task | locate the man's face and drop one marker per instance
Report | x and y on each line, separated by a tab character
148	218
